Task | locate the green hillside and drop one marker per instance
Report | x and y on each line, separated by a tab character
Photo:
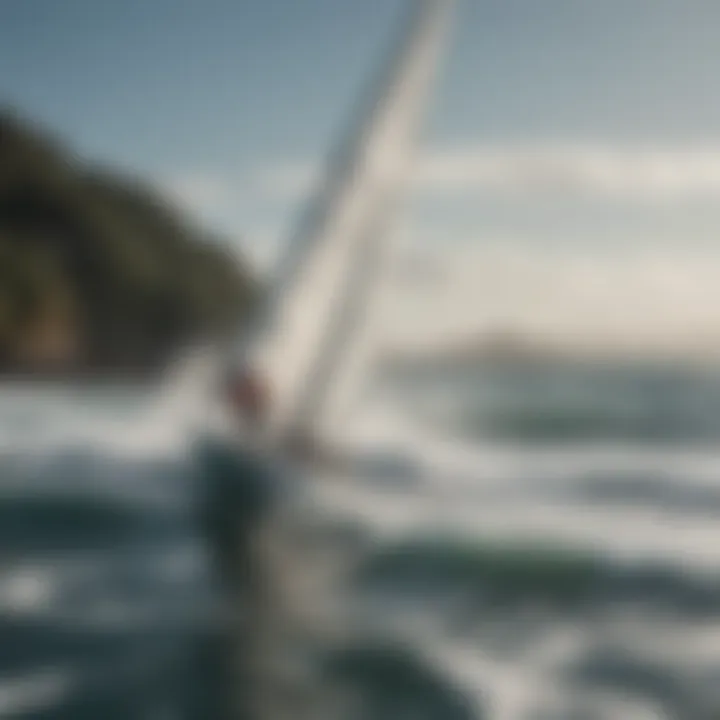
98	273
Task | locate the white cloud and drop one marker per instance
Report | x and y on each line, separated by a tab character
285	179
263	246
649	174
647	299
621	173
200	193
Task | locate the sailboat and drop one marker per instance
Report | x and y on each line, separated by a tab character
306	340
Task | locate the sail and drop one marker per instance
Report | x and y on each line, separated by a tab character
358	343
323	278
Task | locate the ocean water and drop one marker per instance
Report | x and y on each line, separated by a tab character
547	535
103	575
527	542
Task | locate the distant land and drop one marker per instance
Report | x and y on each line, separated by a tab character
518	347
99	272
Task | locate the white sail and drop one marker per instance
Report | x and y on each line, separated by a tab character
331	261
362	339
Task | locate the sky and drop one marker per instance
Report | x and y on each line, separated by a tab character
569	179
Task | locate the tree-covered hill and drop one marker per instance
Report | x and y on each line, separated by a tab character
98	272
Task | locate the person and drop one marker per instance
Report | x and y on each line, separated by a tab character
240	487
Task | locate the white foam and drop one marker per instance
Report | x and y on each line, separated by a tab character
33	692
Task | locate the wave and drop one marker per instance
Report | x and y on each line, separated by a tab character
552	424
393	680
563	402
504	576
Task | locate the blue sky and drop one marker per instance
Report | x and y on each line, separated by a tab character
584	125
